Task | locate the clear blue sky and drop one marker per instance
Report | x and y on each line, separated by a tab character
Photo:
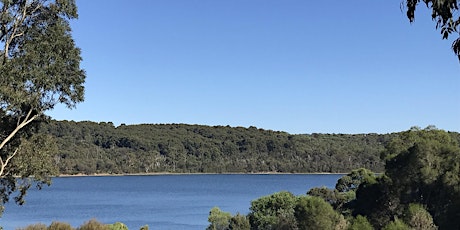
296	66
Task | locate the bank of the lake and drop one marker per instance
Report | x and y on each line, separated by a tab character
169	201
185	174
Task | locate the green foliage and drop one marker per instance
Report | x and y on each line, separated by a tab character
59	226
419	190
218	219
314	213
422	166
353	180
93	225
426	171
239	222
445	13
89	225
283	210
418	218
360	223
88	148
377	201
330	196
33	161
39	68
396	225
345	189
117	226
275	211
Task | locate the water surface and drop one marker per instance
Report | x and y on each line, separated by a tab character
160	201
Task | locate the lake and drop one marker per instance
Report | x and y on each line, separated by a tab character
160	201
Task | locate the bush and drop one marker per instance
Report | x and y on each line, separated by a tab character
239	222
218	219
60	226
396	225
275	211
360	223
419	218
118	226
93	225
314	213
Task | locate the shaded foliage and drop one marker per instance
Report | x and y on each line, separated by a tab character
239	222
360	223
417	217
342	197
420	188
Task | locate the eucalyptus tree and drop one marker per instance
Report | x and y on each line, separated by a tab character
39	68
446	15
422	167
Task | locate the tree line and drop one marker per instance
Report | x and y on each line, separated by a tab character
419	189
90	148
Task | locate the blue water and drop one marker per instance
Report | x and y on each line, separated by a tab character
160	201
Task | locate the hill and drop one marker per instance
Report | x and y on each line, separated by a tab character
90	147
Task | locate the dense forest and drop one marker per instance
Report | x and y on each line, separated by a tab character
419	189
89	148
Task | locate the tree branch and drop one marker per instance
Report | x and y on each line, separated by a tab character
4	164
26	121
16	24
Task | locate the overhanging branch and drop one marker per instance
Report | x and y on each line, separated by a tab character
27	120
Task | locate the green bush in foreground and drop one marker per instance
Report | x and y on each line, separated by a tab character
118	226
60	226
93	225
90	225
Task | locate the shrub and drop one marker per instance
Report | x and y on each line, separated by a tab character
396	225
314	213
239	222
218	219
360	223
93	225
118	226
60	226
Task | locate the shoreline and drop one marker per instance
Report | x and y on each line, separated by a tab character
171	173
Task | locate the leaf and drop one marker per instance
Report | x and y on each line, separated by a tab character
456	47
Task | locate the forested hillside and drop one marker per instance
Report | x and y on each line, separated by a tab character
89	147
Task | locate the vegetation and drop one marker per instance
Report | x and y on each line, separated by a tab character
89	225
39	68
420	189
89	148
445	13
283	210
219	220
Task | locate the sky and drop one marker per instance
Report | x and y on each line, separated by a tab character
295	66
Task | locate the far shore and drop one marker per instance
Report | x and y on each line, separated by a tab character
172	173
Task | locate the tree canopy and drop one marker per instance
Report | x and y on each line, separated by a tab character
89	148
446	15
39	68
419	189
